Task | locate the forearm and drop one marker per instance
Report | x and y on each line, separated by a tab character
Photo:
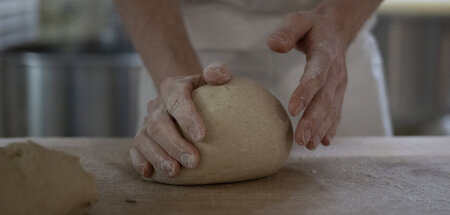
158	33
350	15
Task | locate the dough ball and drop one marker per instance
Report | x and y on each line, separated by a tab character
37	180
248	135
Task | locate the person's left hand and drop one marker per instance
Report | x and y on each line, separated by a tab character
321	89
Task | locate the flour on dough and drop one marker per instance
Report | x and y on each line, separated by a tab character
37	180
248	135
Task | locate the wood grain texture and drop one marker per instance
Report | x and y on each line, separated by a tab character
352	176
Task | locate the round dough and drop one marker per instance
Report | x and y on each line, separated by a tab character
36	180
248	135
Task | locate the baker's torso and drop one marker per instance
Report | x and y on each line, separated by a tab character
235	31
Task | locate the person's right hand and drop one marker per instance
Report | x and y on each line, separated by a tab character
158	143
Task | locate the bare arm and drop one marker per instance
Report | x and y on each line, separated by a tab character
324	35
159	35
352	14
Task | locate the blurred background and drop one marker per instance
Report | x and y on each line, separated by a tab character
67	68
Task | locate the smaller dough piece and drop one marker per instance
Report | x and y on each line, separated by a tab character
37	180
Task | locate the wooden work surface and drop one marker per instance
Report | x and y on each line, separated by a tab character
353	176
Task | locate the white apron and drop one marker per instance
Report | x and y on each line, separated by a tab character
235	31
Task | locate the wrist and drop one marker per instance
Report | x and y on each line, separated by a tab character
167	60
340	19
347	16
167	68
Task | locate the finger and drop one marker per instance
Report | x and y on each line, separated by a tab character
140	164
316	112
160	160
312	80
340	92
331	133
163	131
310	145
217	74
330	95
178	102
326	141
292	29
322	130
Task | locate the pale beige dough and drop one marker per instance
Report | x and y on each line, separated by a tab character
37	180
248	135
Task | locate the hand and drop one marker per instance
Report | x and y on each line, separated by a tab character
320	92
158	143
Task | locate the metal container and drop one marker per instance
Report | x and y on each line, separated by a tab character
68	90
416	51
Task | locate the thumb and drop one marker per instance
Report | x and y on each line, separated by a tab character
217	74
292	29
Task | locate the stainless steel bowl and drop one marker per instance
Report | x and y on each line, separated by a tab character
68	90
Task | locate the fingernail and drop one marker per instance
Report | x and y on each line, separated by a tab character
306	136
168	167
213	68
219	76
195	133
316	141
299	109
311	146
218	73
144	170
188	160
326	140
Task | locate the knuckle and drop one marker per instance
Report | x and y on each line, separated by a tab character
320	78
332	52
309	122
178	101
154	127
173	103
156	110
307	89
314	83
